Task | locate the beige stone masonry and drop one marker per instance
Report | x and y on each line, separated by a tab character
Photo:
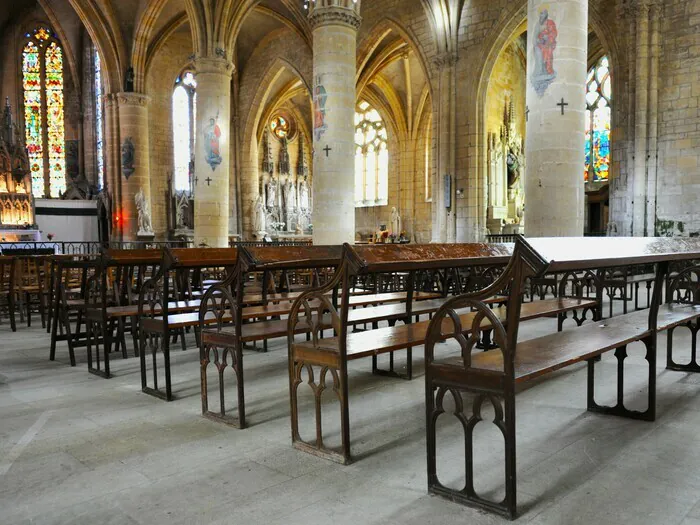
212	158
555	142
133	126
335	24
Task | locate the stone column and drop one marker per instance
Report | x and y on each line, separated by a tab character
335	24
212	158
639	183
557	53
135	161
444	201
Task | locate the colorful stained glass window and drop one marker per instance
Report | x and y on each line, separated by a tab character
42	81
99	123
598	122
371	157
184	118
34	134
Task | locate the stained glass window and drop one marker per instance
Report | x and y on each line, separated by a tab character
280	126
99	123
598	118
184	118
371	157
42	82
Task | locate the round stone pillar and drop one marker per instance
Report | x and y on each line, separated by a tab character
557	53
134	175
335	24
213	142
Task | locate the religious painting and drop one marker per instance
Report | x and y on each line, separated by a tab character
212	144
320	97
545	43
128	158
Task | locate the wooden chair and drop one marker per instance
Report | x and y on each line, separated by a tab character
29	287
7	292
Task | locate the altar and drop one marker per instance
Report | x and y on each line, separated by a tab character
17	216
19	235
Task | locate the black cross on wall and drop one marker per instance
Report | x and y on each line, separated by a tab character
327	150
208	181
527	113
562	104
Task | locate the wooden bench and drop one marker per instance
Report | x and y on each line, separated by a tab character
490	379
221	322
326	360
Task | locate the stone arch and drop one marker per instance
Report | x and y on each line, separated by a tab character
249	175
378	32
106	36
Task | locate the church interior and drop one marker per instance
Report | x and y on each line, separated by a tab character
465	191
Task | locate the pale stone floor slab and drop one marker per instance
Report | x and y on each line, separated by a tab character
78	449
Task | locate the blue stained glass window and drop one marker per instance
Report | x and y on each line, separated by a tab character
598	122
99	125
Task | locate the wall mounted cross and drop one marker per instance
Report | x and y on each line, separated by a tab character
527	113
327	150
562	104
208	181
196	181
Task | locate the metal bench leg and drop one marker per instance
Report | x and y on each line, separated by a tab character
469	415
221	356
619	408
693	365
326	375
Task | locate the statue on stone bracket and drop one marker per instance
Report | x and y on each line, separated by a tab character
128	158
144	214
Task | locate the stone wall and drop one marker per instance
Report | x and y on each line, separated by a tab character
167	64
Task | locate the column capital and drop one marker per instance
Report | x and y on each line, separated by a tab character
335	12
132	99
214	65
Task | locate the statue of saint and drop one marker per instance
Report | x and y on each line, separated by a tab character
395	221
271	188
290	197
144	213
259	215
304	202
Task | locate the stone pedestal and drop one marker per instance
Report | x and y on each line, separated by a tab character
211	189
135	160
557	52
335	24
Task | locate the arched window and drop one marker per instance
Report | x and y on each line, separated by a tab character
99	123
598	117
184	117
42	81
371	158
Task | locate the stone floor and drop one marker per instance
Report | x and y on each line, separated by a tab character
77	449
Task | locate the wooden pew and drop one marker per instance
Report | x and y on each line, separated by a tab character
330	356
222	330
491	378
160	296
